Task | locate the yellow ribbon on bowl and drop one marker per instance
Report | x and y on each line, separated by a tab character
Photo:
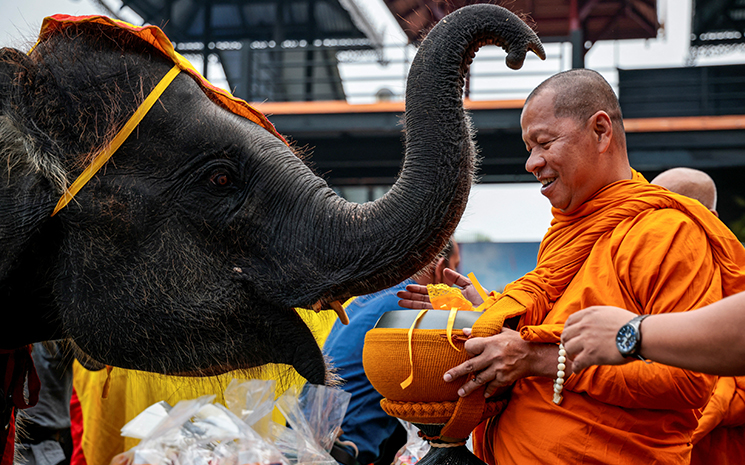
407	382
444	297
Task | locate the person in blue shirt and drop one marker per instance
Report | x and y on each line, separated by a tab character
365	424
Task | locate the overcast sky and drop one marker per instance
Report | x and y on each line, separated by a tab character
501	212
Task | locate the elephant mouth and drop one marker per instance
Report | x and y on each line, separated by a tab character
307	358
211	371
286	340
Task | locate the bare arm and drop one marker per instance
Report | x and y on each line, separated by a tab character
708	340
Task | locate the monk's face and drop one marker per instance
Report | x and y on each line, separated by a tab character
561	152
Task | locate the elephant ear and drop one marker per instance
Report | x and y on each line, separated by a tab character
30	178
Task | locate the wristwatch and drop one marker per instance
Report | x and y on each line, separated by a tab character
629	338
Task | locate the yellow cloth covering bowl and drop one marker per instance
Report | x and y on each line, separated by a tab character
386	362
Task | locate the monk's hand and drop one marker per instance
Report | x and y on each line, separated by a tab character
453	278
589	336
415	297
496	361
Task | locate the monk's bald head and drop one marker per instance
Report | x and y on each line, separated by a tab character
580	93
691	183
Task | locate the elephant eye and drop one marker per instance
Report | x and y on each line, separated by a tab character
221	179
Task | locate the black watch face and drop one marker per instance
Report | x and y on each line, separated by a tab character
626	339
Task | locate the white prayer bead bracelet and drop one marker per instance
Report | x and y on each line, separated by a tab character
559	383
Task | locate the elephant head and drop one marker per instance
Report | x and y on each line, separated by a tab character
189	250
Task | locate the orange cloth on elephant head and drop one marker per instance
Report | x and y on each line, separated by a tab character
153	35
635	246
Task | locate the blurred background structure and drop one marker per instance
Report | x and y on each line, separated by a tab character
274	50
331	75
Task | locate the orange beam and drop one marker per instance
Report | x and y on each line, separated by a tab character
685	123
664	124
340	106
325	107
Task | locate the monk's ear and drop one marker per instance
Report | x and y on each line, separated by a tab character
602	128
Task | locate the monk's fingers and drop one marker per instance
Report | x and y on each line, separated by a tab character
569	333
572	344
474	382
495	381
579	362
468	368
453	278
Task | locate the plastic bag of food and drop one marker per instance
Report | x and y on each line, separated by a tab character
415	447
145	423
315	413
197	432
171	435
253	401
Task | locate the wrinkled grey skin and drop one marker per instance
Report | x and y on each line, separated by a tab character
188	251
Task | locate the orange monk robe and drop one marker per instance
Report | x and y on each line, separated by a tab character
133	391
720	436
631	246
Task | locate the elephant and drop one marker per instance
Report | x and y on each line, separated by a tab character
188	252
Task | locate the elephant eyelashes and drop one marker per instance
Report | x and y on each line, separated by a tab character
221	179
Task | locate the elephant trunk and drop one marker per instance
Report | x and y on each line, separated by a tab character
377	243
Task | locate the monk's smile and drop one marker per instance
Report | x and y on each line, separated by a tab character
546	183
562	153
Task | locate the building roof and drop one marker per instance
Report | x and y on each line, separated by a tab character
259	20
600	19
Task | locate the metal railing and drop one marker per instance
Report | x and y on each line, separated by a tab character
368	76
489	78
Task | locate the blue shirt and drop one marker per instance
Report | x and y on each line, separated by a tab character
365	423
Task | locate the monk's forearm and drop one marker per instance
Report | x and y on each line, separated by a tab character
709	340
544	361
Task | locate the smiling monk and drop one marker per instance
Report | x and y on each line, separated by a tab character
614	240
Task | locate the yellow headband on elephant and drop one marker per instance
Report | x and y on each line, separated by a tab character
155	37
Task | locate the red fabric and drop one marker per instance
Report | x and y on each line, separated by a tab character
7	441
76	429
19	369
